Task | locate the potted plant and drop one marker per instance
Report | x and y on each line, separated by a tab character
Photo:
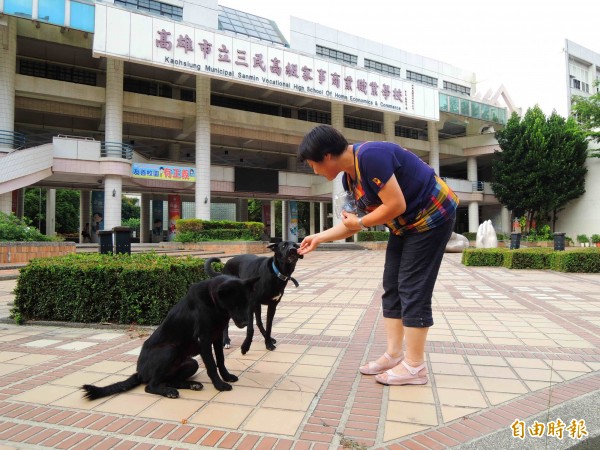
583	240
596	239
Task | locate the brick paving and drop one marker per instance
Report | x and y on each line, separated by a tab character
507	345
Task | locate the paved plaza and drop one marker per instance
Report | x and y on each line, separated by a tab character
511	352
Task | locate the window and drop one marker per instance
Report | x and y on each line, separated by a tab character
82	16
42	69
406	132
382	67
362	124
337	55
310	115
457	88
22	8
250	25
420	78
147	87
52	11
154	7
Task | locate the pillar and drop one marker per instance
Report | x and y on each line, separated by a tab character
84	212
434	146
8	61
145	224
389	126
322	216
505	223
114	101
311	215
473	205
202	191
273	219
241	210
284	221
337	121
113	187
174	151
50	212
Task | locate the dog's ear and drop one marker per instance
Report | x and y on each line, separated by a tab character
272	246
228	289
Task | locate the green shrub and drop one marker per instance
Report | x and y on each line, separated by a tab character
582	238
576	261
97	288
197	230
372	236
484	256
595	238
528	258
13	228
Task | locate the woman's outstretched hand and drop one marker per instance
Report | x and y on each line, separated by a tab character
308	244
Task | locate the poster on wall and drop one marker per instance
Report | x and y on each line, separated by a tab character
97	214
292	221
174	214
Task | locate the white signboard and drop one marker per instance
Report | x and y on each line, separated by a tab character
160	42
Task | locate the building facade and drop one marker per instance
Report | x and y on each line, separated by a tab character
582	215
208	105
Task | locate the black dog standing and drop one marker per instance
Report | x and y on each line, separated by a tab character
194	324
274	273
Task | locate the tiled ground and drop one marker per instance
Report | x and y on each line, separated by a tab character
506	345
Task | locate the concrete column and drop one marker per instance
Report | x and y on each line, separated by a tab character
273	219
473	217
241	210
311	215
114	101
145	223
6	202
21	203
505	223
84	211
284	221
472	168
337	121
113	187
8	61
174	151
322	215
434	146
50	212
389	126
292	163
202	147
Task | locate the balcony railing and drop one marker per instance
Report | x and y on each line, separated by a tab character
12	140
116	150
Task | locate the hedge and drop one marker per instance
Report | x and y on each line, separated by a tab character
483	257
581	261
197	230
98	288
372	236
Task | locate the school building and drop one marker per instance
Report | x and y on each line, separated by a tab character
196	104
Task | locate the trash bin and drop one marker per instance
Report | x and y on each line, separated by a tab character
515	241
559	241
122	240
106	241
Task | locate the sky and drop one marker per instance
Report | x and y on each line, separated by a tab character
515	43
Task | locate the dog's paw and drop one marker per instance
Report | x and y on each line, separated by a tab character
245	347
231	378
270	344
196	386
172	393
226	345
223	386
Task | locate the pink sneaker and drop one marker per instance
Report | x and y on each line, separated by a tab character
373	368
415	375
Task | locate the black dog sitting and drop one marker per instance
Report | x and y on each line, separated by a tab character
165	363
274	273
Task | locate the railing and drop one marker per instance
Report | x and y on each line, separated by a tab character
116	150
477	186
12	139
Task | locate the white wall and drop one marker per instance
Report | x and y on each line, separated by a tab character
582	216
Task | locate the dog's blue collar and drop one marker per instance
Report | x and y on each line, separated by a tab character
281	276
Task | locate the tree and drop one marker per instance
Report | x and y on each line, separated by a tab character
587	112
67	209
129	208
541	166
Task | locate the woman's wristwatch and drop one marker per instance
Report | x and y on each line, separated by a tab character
362	226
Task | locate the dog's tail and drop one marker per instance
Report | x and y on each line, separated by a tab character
208	267
94	392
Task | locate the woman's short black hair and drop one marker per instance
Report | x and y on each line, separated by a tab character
320	141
